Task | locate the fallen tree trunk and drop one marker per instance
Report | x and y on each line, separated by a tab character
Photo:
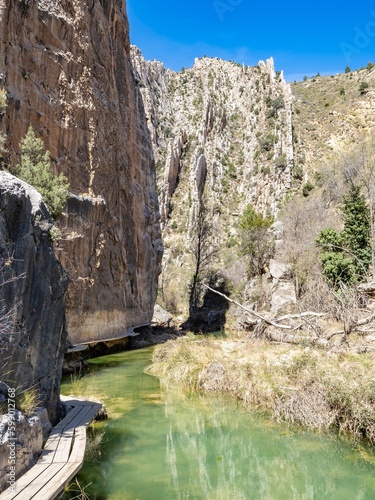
277	332
262	318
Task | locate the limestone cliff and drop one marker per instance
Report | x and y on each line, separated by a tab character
222	134
32	287
238	118
66	70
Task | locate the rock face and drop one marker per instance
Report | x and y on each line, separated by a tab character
223	138
32	287
17	456
66	69
235	119
282	288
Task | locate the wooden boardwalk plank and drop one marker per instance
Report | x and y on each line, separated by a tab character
65	421
63	451
31	489
79	447
57	448
24	481
51	489
61	458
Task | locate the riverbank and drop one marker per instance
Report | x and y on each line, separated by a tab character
310	387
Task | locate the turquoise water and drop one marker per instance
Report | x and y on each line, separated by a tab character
162	445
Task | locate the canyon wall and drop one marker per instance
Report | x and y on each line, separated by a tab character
65	67
32	286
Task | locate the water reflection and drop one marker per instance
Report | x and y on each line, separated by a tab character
216	451
163	445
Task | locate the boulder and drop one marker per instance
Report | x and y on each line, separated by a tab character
32	286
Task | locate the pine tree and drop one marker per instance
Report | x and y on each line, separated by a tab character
346	256
35	169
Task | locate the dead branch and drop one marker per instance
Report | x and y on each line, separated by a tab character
366	321
262	318
302	315
332	334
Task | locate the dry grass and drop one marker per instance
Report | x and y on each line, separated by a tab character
96	439
75	488
27	401
81	389
313	388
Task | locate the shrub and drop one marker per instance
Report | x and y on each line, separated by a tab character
298	173
281	161
347	69
267	143
370	65
342	91
35	170
363	86
256	241
307	188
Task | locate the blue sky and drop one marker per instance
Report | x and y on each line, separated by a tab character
303	37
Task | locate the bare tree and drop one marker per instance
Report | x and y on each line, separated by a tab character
203	252
303	219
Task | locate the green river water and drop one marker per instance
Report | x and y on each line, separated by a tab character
162	445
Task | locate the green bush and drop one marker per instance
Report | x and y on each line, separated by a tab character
298	173
342	91
267	143
281	161
255	239
363	86
347	69
307	188
35	169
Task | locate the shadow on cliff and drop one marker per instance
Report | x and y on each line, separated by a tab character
211	315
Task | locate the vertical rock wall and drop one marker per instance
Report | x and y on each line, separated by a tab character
66	69
32	286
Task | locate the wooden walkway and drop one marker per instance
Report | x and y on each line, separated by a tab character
61	458
129	333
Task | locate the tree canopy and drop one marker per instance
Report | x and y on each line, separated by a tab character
346	255
35	169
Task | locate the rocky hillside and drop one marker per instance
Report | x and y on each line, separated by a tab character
331	115
222	135
65	69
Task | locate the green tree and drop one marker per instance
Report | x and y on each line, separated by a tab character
35	169
256	240
347	69
346	255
